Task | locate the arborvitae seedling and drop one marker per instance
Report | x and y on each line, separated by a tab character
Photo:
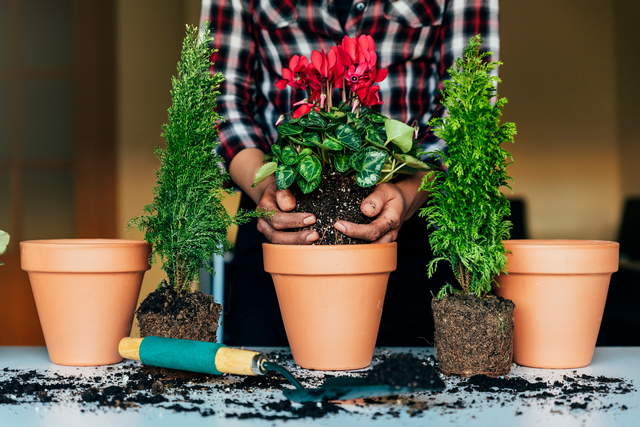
466	207
187	223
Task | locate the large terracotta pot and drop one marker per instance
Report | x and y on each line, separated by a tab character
331	300
560	289
85	292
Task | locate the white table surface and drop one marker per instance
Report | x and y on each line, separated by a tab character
618	362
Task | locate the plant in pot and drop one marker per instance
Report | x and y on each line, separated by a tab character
332	152
473	329
186	222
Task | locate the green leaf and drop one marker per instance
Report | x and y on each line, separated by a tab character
348	137
376	118
334	114
332	145
342	162
412	162
311	139
4	241
399	133
277	151
306	186
310	168
288	129
370	162
305	152
264	172
267	158
374	138
289	155
285	175
316	119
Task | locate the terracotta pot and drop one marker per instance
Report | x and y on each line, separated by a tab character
560	289
331	300
85	292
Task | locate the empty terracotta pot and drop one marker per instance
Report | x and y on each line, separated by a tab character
85	292
331	300
559	288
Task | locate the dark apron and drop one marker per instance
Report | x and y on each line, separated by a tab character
252	315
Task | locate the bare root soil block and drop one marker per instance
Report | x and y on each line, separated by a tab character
337	198
188	315
473	336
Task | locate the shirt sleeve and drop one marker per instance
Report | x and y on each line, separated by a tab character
462	20
230	24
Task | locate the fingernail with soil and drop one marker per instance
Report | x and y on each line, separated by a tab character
368	209
341	228
312	237
309	220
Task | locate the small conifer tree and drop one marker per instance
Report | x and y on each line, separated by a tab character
186	222
466	206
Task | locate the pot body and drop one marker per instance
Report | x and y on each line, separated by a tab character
85	292
331	300
559	288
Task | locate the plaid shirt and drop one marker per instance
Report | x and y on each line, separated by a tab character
416	40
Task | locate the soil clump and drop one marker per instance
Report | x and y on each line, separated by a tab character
403	370
473	335
337	198
187	315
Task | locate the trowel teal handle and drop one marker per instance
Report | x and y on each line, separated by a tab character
194	356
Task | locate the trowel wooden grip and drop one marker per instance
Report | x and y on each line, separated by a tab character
195	356
237	361
129	348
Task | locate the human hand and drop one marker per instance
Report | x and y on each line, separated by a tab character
391	204
275	227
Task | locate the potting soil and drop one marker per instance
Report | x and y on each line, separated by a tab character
337	198
188	315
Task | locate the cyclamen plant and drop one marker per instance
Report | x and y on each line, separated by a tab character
349	138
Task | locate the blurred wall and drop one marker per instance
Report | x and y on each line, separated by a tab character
559	74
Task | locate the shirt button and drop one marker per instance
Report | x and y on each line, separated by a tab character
360	7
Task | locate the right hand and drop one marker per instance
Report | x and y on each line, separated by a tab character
275	227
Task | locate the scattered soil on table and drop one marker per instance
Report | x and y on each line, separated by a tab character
129	387
404	370
472	335
337	198
188	315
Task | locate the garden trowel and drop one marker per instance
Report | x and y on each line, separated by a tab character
217	359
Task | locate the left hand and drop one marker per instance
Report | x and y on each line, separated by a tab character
391	204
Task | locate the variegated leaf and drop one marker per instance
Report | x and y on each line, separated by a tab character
306	186
285	175
348	137
289	155
310	168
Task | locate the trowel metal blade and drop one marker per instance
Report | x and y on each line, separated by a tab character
347	388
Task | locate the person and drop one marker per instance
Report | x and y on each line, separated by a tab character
417	41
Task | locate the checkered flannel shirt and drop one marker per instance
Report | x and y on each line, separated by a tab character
416	40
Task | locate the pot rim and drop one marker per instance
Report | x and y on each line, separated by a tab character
79	243
563	243
329	259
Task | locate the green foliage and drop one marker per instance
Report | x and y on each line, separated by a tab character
466	206
187	222
4	242
373	148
